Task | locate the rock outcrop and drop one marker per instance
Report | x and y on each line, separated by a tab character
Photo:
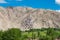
28	18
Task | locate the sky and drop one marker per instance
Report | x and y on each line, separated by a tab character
45	4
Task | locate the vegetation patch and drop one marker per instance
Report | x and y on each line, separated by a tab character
32	34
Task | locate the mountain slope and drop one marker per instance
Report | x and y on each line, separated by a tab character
27	18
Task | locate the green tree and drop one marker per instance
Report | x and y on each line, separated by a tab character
1	34
12	34
52	33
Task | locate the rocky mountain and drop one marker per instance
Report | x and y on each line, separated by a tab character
28	18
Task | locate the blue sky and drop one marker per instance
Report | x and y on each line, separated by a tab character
45	4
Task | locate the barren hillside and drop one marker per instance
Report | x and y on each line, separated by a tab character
27	18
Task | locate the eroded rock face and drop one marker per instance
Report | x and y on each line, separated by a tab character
28	18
